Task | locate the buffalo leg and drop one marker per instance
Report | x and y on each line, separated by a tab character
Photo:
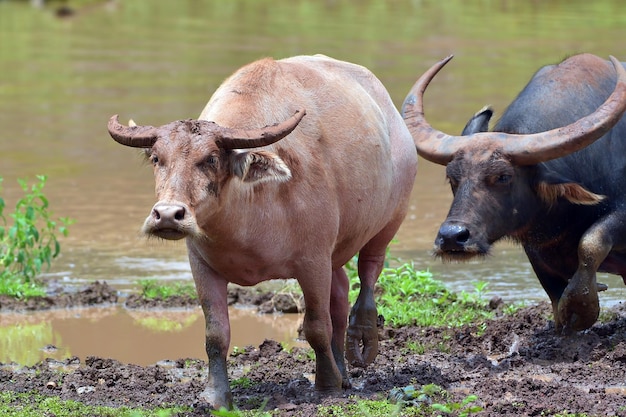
579	306
212	293
318	327
362	327
553	281
362	324
339	314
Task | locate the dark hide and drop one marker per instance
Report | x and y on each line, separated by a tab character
574	207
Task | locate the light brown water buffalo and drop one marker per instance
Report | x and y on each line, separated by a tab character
297	198
551	176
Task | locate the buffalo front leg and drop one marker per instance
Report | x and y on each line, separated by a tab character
362	343
212	293
318	326
579	306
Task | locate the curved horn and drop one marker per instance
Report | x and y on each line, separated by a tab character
253	138
528	149
133	136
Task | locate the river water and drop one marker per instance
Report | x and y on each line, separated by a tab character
158	61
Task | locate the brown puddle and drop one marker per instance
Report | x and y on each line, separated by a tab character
138	337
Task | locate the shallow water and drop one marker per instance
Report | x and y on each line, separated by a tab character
159	61
139	337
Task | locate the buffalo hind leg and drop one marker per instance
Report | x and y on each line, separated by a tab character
362	341
579	306
362	335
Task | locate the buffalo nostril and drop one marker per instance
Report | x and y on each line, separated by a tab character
463	236
180	214
453	236
168	213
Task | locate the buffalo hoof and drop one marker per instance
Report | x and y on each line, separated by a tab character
217	400
361	345
362	332
573	316
328	391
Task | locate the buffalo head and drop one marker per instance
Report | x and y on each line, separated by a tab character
194	159
498	179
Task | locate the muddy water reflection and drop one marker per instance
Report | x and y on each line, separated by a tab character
139	337
159	61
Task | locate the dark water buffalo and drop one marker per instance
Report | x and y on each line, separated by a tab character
551	176
297	198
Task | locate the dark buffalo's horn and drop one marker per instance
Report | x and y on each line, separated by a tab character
133	136
228	138
440	148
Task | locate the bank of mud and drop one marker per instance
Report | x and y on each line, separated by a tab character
515	364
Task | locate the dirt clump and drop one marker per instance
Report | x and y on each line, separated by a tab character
266	302
94	294
515	364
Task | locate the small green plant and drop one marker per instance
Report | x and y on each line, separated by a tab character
243	382
415	347
237	351
412	297
433	400
153	289
30	242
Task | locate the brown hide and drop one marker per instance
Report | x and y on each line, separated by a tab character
337	185
348	178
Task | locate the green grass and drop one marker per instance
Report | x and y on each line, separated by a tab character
409	297
153	289
36	405
426	400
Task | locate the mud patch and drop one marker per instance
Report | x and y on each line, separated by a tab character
94	294
516	365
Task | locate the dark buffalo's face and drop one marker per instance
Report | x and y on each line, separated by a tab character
492	198
499	179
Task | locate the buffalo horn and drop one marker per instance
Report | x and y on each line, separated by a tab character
133	136
253	138
530	149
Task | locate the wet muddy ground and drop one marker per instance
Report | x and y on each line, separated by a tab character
516	365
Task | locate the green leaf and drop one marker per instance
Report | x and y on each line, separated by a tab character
30	242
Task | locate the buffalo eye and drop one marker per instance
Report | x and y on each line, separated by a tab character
502	179
210	162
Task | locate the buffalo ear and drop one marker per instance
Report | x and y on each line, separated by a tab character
551	186
479	122
260	166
